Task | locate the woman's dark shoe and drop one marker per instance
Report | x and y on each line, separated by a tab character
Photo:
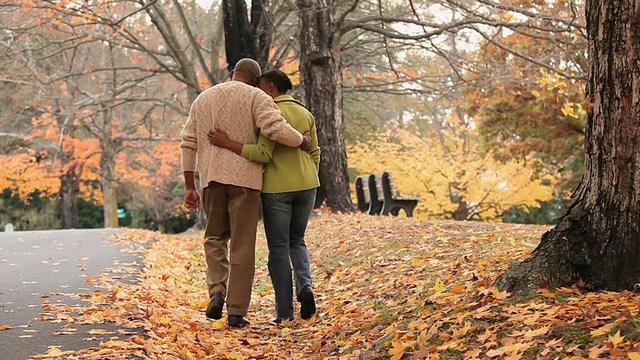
214	310
278	320
237	321
307	303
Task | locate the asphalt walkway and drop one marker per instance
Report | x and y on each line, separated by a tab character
38	266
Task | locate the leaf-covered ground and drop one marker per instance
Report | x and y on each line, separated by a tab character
386	288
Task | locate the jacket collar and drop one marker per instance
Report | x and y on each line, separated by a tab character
283	98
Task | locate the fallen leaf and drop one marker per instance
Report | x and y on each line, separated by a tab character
397	350
234	355
596	351
472	354
509	349
616	339
538	332
546	293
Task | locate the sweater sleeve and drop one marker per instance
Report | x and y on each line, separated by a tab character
271	123
262	151
189	141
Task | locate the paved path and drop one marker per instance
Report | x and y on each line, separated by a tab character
36	264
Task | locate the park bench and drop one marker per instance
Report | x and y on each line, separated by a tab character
362	193
376	195
366	190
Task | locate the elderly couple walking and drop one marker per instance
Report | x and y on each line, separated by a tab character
246	138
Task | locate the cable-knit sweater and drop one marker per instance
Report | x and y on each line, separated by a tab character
240	110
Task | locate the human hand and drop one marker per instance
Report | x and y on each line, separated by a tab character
192	200
306	141
217	137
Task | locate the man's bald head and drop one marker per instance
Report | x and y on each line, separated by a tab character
246	70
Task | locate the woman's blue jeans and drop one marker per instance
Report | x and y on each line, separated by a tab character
285	217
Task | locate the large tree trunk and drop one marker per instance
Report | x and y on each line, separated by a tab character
109	148
240	40
321	79
69	190
261	28
597	242
109	192
70	179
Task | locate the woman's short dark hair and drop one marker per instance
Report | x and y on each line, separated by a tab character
279	79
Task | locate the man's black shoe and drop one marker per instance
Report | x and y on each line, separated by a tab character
237	321
278	320
214	310
307	303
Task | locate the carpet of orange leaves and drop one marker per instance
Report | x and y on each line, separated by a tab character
387	288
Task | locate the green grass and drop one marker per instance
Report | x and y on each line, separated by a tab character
573	334
533	352
451	354
629	328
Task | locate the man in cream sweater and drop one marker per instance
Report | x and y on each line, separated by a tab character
231	184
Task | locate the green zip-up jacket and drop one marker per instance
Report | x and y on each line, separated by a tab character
288	169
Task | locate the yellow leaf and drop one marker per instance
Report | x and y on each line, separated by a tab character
546	293
117	344
186	353
234	355
616	339
218	324
54	351
165	320
451	344
596	351
488	335
603	329
509	349
397	350
418	262
634	355
439	286
500	295
533	333
472	354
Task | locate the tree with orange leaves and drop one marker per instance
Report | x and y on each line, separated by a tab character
152	175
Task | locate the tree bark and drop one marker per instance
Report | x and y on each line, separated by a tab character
109	149
321	79
69	190
261	28
240	40
70	179
109	193
597	243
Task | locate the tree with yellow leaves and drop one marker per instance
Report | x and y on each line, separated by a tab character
459	181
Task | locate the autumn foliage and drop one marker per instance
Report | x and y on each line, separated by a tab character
386	288
459	182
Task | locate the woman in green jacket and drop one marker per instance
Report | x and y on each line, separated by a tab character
290	180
